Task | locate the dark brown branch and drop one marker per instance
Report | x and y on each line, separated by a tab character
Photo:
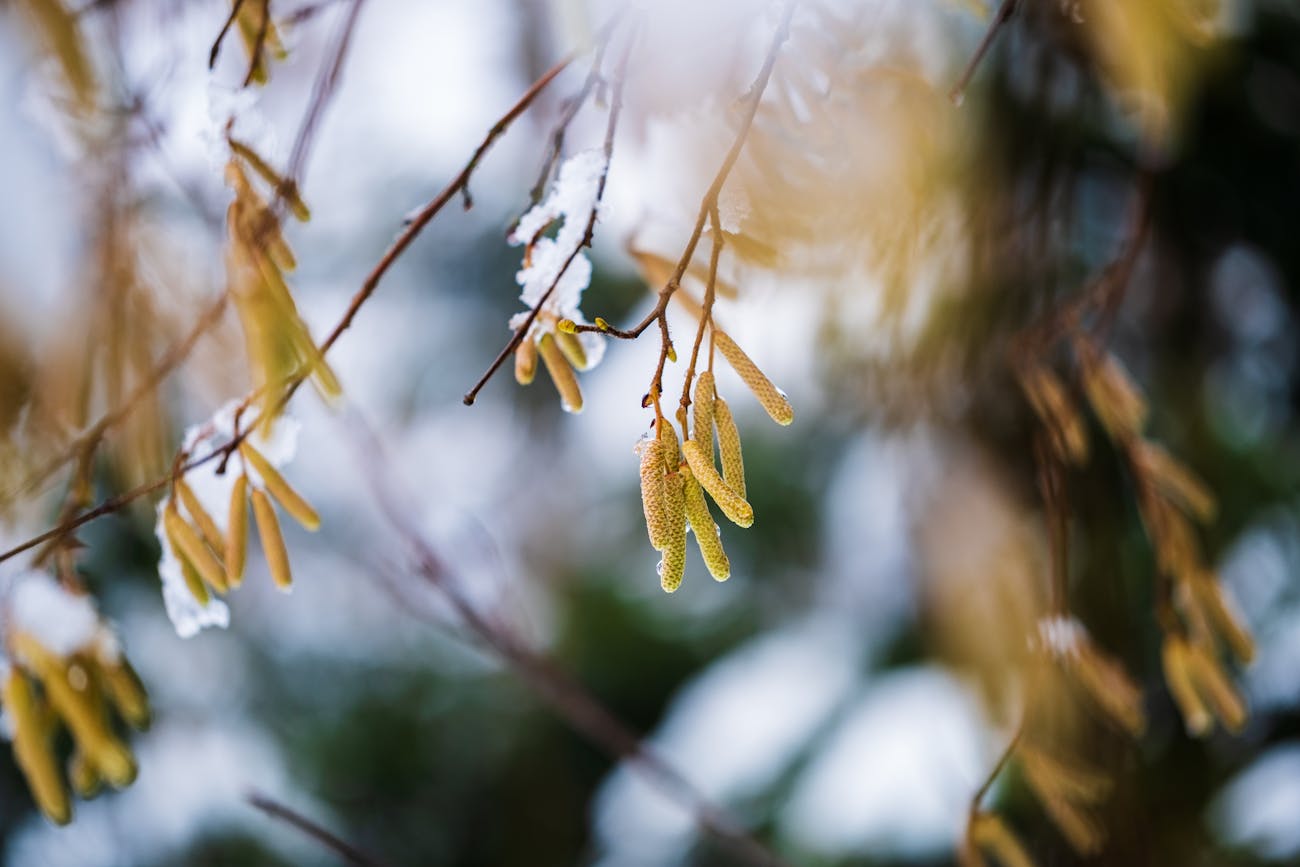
345	850
1004	13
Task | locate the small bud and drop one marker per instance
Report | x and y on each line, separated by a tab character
567	326
672	353
601	323
771	398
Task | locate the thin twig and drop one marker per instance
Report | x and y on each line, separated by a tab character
708	204
587	236
706	319
566	696
1004	13
221	36
257	56
336	844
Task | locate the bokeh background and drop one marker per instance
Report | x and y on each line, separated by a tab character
839	692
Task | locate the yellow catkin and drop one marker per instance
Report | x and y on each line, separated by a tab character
1216	688
193	581
705	530
566	382
769	396
125	690
733	505
287	189
1110	688
33	750
572	348
289	499
525	362
1222	612
1048	774
672	452
702	417
1115	398
85	780
237	532
268	527
191	548
1082	830
733	461
654	502
1053	406
990	833
81	712
199	515
1175	480
673	563
1175	656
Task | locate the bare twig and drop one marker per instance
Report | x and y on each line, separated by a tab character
708	204
1004	13
345	850
566	696
587	236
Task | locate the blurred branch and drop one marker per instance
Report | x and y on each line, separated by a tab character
87	441
404	240
565	695
225	29
345	850
1004	13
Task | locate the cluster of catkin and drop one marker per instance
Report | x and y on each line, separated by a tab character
561	352
44	693
279	344
212	561
675	478
1193	609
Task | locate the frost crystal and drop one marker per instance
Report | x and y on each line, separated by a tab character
188	615
569	204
